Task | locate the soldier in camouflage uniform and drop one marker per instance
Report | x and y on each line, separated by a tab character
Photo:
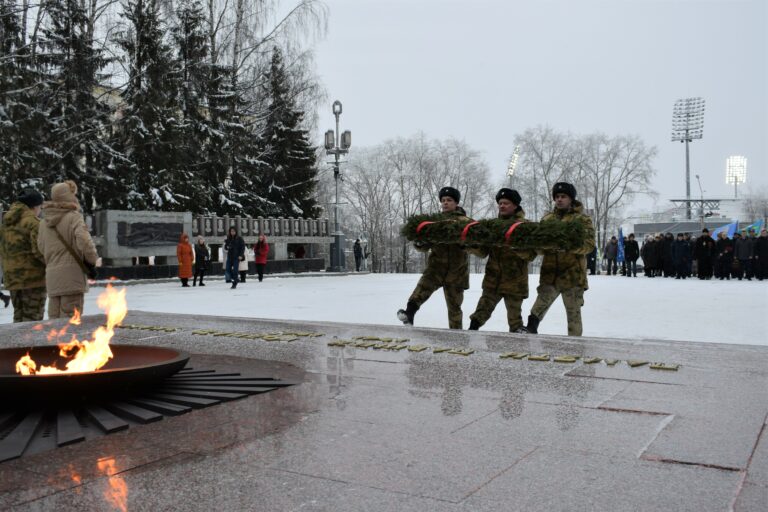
564	272
23	266
447	268
506	272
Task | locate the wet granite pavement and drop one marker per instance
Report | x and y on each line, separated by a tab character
377	429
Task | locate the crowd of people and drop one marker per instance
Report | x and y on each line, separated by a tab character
745	256
195	261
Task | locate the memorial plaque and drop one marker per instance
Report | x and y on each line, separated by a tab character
147	234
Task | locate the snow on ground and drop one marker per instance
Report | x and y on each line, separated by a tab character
615	306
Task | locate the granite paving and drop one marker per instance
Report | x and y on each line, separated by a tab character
378	428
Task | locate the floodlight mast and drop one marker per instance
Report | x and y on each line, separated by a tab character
688	124
736	172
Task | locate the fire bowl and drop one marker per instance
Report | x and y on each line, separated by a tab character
132	368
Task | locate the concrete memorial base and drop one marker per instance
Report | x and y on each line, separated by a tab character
391	418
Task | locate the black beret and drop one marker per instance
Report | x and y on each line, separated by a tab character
564	188
450	192
508	193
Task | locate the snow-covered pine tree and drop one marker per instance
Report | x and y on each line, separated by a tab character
147	130
80	121
24	116
290	159
195	129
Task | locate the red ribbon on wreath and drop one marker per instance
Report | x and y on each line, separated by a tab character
465	231
510	230
423	224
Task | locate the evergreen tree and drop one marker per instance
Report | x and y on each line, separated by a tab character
147	130
289	157
79	121
23	122
195	130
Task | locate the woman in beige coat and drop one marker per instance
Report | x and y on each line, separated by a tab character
64	276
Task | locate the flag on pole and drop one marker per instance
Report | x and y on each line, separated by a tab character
620	252
729	230
755	226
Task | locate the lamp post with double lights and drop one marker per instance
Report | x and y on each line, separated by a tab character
337	144
736	172
688	124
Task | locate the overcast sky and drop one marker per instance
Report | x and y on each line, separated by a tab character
485	70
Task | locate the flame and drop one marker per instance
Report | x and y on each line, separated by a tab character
84	356
117	494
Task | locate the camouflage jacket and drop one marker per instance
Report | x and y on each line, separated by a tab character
448	264
506	271
565	270
23	263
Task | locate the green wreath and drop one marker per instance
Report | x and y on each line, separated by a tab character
546	235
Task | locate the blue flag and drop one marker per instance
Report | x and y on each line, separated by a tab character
755	226
620	252
729	229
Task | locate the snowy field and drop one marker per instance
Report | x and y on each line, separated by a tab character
616	307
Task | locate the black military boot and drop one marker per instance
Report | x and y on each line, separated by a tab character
533	324
406	315
474	325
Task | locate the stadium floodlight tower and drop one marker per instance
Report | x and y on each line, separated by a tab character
688	124
736	172
512	167
337	144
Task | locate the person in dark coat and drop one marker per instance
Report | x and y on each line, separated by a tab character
610	252
667	260
235	247
704	251
689	241
202	260
761	255
631	254
592	262
742	252
646	252
724	250
681	254
357	250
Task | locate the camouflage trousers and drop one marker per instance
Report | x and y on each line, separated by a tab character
454	296
28	304
573	299
487	303
64	306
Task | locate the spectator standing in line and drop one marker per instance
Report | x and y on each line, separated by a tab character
668	263
610	252
681	254
67	247
202	260
185	255
357	250
724	249
564	273
631	254
261	251
235	247
761	255
23	263
689	241
646	252
742	254
704	252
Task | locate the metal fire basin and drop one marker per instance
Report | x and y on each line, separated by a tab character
132	369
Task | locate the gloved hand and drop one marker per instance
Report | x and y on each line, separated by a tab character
242	258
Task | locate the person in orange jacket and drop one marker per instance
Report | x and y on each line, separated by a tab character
185	256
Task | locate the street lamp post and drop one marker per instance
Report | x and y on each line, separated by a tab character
736	172
701	206
688	124
337	144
